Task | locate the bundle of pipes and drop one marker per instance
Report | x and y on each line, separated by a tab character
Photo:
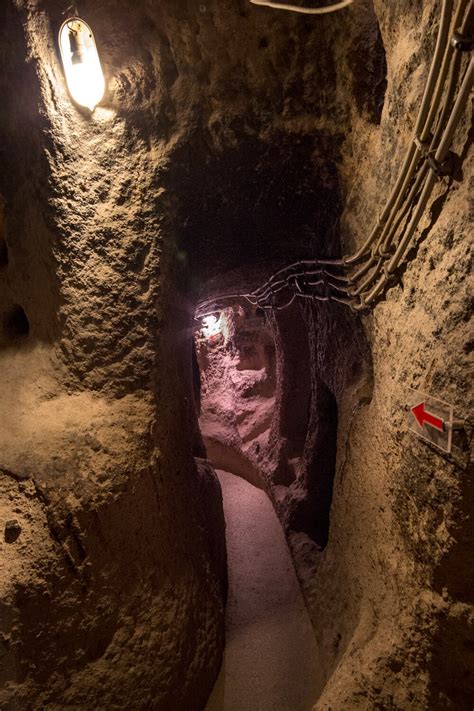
385	250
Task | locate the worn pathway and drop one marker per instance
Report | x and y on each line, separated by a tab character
270	654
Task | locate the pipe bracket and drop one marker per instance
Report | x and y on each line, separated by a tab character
381	252
440	169
390	278
423	146
462	43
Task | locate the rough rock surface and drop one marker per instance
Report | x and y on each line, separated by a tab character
379	521
113	593
237	369
232	139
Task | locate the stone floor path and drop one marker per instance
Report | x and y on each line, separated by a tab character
270	656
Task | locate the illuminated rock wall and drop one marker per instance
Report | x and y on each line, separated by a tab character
390	590
113	593
232	140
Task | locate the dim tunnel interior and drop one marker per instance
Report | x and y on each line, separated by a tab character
264	413
244	512
243	416
268	665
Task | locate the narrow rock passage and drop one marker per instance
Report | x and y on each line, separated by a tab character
270	656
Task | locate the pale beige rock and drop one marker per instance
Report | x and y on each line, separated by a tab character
232	140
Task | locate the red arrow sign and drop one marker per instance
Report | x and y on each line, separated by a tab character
427	418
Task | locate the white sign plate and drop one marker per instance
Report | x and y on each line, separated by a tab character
431	419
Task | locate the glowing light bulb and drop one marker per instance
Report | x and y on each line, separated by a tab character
210	326
84	75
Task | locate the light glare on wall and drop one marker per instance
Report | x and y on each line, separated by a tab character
84	76
211	326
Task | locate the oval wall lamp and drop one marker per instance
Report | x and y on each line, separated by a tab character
82	67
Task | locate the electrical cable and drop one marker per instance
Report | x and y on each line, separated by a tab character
384	252
433	163
411	157
303	10
439	156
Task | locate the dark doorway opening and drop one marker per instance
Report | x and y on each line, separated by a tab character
312	515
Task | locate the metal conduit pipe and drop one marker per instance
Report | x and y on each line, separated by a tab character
314	296
272	281
365	299
332	262
382	248
338	277
447	104
285	306
201	309
364	269
420	208
456	113
462	25
400	201
440	155
368	280
434	71
321	281
289	270
293	266
453	77
457	22
380	252
271	292
449	91
412	154
269	286
266	291
416	155
415	189
423	123
435	79
346	302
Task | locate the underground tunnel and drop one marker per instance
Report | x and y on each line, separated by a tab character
235	342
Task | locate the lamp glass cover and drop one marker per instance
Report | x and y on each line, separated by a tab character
84	75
